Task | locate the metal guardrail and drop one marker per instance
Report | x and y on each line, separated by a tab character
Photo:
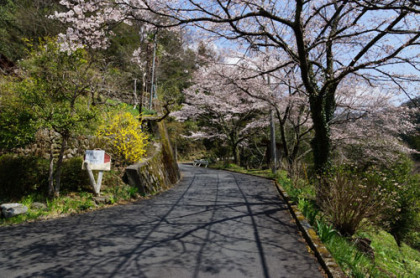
199	162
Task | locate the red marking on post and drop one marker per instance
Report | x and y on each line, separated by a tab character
107	158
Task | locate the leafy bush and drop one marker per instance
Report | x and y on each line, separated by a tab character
389	197
412	237
112	178
16	120
123	137
22	175
350	198
121	192
402	219
73	178
88	204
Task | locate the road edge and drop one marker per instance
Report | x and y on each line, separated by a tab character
324	257
328	263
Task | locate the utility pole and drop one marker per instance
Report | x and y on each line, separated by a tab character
139	98
136	101
272	127
273	138
152	87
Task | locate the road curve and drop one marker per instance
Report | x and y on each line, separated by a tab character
212	224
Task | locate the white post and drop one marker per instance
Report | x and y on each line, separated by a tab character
152	88
99	182
95	185
136	101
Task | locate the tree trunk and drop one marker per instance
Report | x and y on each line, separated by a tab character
321	145
51	173
294	146
236	154
141	94
322	110
59	165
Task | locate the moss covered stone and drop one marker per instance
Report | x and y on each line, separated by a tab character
157	173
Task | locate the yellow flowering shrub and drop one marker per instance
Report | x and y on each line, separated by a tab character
123	136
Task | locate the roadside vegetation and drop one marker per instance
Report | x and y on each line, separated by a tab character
55	104
383	257
74	201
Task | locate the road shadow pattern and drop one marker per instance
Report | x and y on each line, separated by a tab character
213	224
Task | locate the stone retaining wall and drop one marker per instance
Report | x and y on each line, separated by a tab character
158	172
43	139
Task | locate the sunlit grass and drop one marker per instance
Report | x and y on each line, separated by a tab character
70	203
351	261
123	107
397	262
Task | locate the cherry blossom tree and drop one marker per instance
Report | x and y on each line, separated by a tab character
282	91
367	125
226	112
89	23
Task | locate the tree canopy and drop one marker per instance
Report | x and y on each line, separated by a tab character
328	41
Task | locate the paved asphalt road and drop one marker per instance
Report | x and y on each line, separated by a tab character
213	224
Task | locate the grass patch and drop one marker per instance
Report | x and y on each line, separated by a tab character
71	203
351	261
122	107
266	173
394	261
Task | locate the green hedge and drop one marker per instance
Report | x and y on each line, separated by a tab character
22	175
73	178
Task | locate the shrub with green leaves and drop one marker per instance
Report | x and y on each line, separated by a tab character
352	197
58	87
402	219
22	175
16	119
73	178
388	197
